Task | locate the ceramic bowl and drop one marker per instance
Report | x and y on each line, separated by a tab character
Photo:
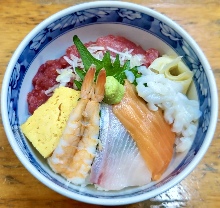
89	21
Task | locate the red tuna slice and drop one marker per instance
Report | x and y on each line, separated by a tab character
46	75
150	55
36	98
43	80
115	42
119	43
72	50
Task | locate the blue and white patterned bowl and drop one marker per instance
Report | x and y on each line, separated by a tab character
89	21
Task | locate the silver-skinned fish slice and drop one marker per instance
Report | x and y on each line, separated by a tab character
118	163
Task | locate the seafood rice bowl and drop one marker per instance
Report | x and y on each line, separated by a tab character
109	103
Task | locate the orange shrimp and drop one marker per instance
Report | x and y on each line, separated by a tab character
76	150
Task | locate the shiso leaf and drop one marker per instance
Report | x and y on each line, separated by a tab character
137	74
78	84
112	69
81	73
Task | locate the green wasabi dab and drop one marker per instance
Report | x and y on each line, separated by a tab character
114	91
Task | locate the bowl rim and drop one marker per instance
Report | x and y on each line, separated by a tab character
143	9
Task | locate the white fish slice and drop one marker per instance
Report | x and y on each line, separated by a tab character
118	163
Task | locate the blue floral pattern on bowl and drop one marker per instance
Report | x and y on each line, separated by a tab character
102	16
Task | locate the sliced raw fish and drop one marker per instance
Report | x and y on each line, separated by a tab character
152	133
118	163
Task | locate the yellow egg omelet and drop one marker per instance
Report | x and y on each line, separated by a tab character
44	128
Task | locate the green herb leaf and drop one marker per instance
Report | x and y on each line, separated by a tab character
86	56
80	72
78	84
112	69
134	70
107	63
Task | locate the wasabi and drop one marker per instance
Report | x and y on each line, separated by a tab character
114	91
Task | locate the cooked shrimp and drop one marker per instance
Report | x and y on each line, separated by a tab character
72	133
73	156
62	155
85	153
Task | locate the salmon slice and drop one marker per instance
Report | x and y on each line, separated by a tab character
152	134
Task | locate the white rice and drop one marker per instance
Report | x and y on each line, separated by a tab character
179	111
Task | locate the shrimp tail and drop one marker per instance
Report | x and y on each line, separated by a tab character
100	86
87	85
